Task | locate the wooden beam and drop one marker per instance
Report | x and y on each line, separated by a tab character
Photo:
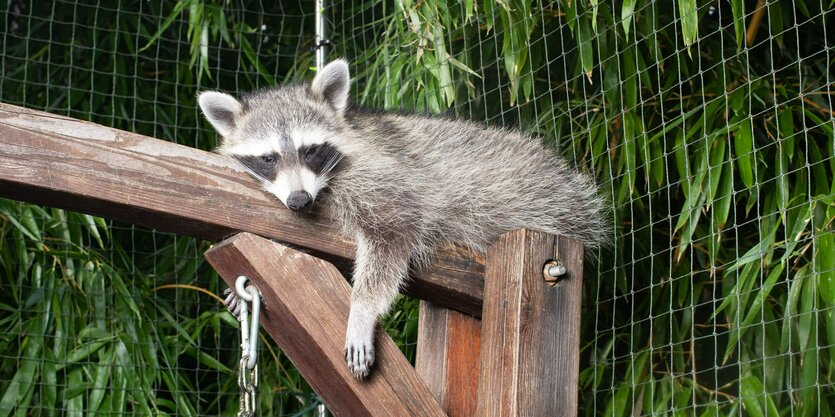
530	331
305	310
63	162
447	357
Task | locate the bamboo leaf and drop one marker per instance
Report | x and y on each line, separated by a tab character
626	11
19	390
805	324
83	352
489	11
124	293
178	9
756	401
443	72
50	386
829	322
74	402
102	371
19	224
92	228
797	220
775	21
630	82
584	43
631	127
786	120
570	7
689	22
460	65
714	174
129	368
744	148
206	359
116	402
253	59
826	267
617	405
754	311
756	253
738	11
724	197
808	401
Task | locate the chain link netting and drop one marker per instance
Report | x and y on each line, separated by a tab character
709	126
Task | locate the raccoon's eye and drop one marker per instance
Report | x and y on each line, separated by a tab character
268	159
311	152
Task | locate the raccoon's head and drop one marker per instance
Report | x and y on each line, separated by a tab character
286	137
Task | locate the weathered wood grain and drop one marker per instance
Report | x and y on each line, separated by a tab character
305	310
67	163
447	357
530	331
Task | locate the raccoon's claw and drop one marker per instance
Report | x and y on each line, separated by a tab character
233	303
360	357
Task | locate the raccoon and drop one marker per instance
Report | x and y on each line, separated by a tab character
400	184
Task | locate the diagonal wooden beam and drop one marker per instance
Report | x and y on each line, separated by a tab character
305	310
68	163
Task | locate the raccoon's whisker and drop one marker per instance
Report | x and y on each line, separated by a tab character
327	172
331	164
251	172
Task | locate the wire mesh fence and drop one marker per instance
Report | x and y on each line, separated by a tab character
708	124
103	318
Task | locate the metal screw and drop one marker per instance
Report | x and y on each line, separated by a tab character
553	271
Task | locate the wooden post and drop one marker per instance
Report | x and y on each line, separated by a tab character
305	310
447	357
530	331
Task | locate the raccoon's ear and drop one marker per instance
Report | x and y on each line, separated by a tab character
332	85
222	110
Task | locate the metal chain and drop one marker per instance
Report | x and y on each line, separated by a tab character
248	384
237	302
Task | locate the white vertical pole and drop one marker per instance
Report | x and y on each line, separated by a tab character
321	35
321	53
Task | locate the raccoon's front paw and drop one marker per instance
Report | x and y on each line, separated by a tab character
359	350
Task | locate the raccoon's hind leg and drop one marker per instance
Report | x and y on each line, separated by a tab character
381	267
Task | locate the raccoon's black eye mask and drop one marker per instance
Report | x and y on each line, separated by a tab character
320	158
263	167
310	153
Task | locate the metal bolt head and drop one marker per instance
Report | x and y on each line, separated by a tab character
553	271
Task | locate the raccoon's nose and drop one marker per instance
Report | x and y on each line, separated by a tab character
299	200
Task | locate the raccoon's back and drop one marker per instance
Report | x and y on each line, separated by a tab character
473	182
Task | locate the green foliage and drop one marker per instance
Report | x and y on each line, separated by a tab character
718	297
717	160
101	318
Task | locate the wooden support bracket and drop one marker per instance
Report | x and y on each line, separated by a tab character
530	331
305	310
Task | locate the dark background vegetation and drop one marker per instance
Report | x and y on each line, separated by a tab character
708	124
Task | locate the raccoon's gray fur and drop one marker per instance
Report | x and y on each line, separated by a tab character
401	185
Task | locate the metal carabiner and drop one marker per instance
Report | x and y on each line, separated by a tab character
249	347
238	304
